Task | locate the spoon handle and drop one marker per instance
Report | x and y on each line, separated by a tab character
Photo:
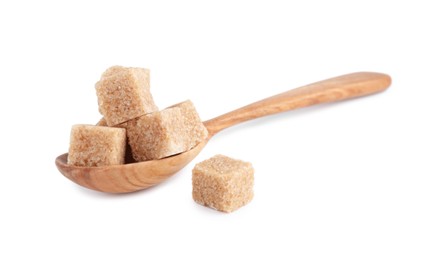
329	90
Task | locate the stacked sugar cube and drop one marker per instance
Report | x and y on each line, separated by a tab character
130	116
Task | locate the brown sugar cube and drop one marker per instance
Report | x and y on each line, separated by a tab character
223	183
173	130
128	154
96	145
123	94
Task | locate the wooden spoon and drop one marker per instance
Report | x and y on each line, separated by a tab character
137	176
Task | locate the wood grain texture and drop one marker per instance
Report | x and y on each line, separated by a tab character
137	176
330	90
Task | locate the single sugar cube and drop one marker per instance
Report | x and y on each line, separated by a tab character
173	130
223	183
123	94
128	154
96	146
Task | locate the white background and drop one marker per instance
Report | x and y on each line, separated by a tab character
355	180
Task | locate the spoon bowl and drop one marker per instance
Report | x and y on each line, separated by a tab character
141	175
127	177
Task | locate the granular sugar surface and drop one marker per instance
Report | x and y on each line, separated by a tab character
124	94
173	130
223	183
96	146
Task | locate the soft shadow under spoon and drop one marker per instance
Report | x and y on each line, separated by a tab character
137	176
